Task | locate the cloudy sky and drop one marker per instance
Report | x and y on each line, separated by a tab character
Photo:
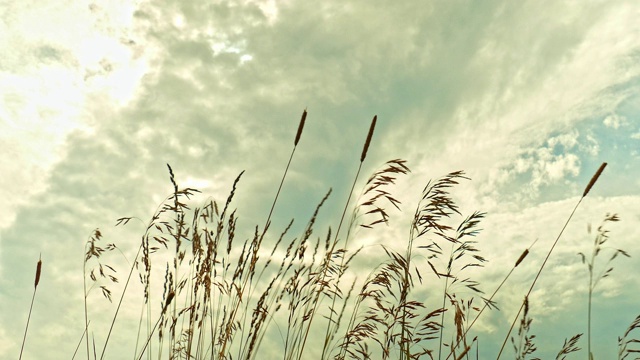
527	97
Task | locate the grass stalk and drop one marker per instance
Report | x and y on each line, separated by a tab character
79	343
600	239
86	313
444	304
33	297
589	353
593	180
115	315
363	156
355	179
490	300
303	118
162	315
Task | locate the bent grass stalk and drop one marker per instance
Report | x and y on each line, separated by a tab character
586	191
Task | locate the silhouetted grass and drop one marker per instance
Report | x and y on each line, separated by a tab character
225	296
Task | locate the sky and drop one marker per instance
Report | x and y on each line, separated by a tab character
527	97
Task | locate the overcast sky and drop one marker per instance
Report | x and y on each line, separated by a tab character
528	97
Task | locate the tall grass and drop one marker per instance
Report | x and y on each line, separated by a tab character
212	291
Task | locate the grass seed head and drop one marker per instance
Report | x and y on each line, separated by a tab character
369	136
522	256
594	179
38	272
300	127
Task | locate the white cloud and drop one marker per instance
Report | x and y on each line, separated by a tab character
63	58
614	121
590	146
216	88
549	164
567	141
560	167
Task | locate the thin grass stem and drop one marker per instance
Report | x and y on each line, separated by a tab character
363	156
593	180
538	275
489	301
79	343
286	170
33	297
115	315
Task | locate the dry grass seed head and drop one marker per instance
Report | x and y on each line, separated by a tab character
568	347
369	136
300	127
374	192
624	342
594	179
38	272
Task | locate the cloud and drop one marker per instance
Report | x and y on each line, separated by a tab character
108	95
613	121
60	58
